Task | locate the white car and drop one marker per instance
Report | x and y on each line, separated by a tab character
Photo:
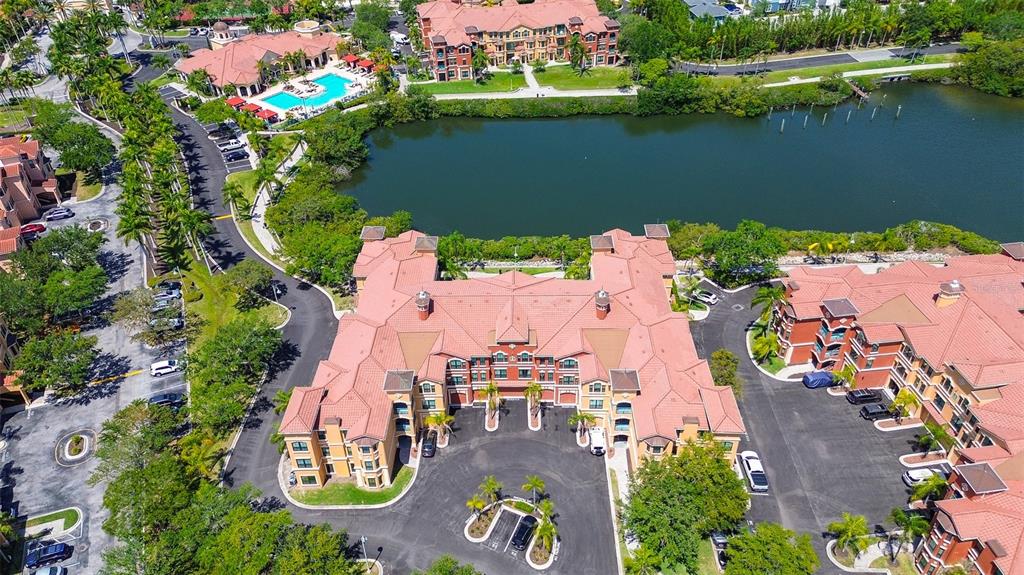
399	38
754	470
162	368
916	476
167	294
597	443
228	145
705	296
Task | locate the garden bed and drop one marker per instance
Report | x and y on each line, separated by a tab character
539	554
904	564
478	528
76	446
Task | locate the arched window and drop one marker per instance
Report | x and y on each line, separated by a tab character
402	424
400	408
623	408
500	357
525	356
568	364
456	363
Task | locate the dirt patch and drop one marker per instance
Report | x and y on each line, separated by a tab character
481	524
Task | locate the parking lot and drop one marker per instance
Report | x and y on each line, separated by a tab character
429	520
821	458
236	159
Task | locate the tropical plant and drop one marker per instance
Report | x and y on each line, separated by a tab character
934	487
768	296
904	402
577	52
533	393
7	529
847	375
493	397
535	485
546	534
935	437
765	347
491	488
281	399
909	526
850	533
582	421
643	562
440	422
476	504
277	438
546	507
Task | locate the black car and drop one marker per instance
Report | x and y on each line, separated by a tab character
50	554
236	156
523	533
169	399
169	285
430	444
875	411
862	396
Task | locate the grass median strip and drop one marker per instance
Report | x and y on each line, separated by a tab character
69	515
349	494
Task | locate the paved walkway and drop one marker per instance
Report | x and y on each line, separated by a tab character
259	208
873	72
531	81
539	92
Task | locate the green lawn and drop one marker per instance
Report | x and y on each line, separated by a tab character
566	78
783	75
349	494
216	306
69	515
706	562
163	80
528	271
278	149
904	564
773	365
12	115
498	82
84	187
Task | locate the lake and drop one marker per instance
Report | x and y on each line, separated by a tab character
954	155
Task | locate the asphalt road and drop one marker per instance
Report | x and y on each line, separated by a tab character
821	458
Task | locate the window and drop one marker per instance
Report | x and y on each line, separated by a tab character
456	364
402	425
479	362
597	387
400	409
500	357
369	465
300	446
476	376
371	482
590	37
623	408
330	469
458	380
542	376
596	404
365	450
621	425
325	451
525	356
500	373
427	388
308	480
568	364
465	73
304	463
656	449
321	435
463	49
939	402
429	404
726	445
351	468
525	373
869	363
567	380
874	348
947	385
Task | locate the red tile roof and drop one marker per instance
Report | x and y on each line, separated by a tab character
558	316
450	20
236	62
10	241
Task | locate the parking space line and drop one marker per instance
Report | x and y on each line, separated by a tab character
513	534
115	377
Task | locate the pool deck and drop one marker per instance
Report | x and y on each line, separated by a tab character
359	82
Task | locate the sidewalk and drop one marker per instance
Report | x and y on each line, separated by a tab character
259	208
540	92
871	72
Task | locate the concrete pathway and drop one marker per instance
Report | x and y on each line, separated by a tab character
539	92
259	208
530	80
876	71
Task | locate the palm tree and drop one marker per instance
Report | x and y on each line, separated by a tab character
533	394
7	530
847	375
198	81
547	508
232	193
643	562
535	485
160	61
491	488
582	421
546	534
577	52
910	526
850	532
441	423
765	347
476	504
493	395
281	399
932	488
200	453
904	402
277	438
768	296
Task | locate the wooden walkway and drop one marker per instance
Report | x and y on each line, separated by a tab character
857	90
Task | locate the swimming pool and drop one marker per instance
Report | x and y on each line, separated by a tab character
335	87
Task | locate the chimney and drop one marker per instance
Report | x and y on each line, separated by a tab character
423	304
603	303
949	293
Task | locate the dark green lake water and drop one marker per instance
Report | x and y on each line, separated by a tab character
954	155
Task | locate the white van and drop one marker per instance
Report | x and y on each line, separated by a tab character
161	368
399	38
597	443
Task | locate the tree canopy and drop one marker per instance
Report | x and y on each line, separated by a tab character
772	549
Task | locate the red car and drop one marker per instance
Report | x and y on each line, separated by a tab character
32	229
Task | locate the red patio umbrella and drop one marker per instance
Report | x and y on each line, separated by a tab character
250	107
234	101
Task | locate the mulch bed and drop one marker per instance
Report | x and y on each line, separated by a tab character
539	554
480	525
892	423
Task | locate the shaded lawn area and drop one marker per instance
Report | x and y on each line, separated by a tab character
706	562
81	184
773	365
527	271
497	82
12	115
349	494
216	304
567	78
277	150
904	564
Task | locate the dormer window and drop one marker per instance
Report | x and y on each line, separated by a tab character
590	37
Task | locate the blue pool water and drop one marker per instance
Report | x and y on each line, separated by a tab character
334	85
